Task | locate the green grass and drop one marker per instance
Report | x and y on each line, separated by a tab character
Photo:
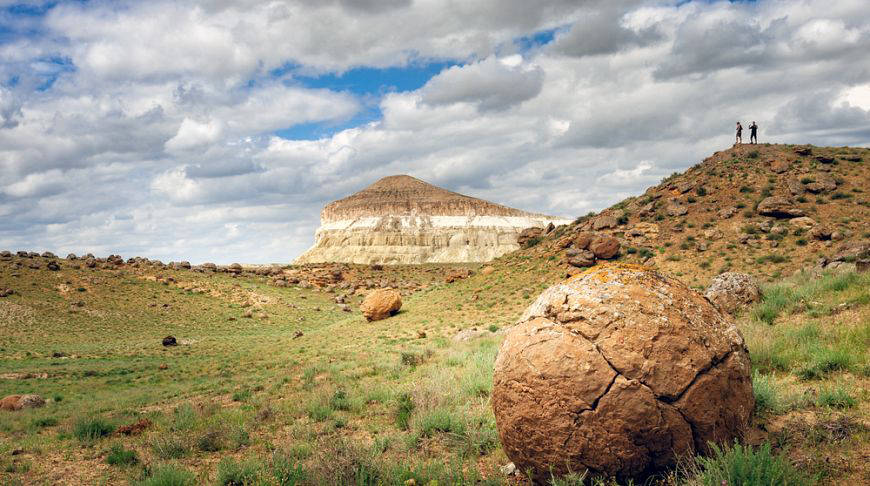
767	394
235	473
404	409
119	456
744	465
835	397
169	475
89	429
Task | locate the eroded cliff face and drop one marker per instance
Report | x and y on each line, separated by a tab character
403	220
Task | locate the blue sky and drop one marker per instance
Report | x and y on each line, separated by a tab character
212	130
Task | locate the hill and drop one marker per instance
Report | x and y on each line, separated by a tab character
713	217
403	220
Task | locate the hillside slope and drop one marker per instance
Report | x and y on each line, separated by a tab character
711	219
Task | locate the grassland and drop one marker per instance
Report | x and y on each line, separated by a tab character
248	401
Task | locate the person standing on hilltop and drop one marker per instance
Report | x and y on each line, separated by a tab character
739	133
753	133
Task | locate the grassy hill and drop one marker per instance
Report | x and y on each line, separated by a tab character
302	392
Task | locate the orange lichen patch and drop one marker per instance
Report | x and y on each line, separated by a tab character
605	272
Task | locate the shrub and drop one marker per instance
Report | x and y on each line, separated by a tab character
531	242
169	475
743	465
746	189
645	253
700	191
766	393
840	195
118	456
836	397
241	395
210	441
286	472
807	180
339	400
92	428
753	155
801	242
233	473
169	447
441	420
404	409
44	422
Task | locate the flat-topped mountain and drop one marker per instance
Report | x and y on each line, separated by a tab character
402	220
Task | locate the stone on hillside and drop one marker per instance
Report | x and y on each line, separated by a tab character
676	208
805	150
779	166
855	250
580	258
731	291
528	235
726	213
209	266
820	232
822	182
803	222
71	256
380	304
170	341
469	334
487	270
455	275
53	266
619	371
91	263
581	241
21	402
234	268
5	292
823	159
5	255
604	247
794	186
713	234
778	207
604	222
644	230
48	254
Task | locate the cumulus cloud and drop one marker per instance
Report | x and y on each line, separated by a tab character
153	128
491	84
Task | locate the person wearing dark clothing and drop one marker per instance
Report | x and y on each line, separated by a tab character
753	133
739	133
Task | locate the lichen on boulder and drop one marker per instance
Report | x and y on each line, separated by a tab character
619	371
380	304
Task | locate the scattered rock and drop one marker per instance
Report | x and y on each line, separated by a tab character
421	334
380	304
802	222
234	268
170	341
487	270
20	402
731	291
209	266
604	222
5	292
508	469
604	247
779	207
676	208
623	360
527	235
820	232
71	256
455	275
135	428
726	213
779	166
298	334
823	159
582	240
580	258
53	266
794	186
805	150
163	366
469	334
91	263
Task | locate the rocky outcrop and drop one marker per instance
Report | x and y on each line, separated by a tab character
403	220
619	371
20	402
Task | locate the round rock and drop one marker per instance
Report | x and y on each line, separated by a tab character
619	371
380	304
731	291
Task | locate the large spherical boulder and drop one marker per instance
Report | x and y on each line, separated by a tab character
619	371
731	291
381	303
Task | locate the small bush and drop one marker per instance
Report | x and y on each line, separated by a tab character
169	475
743	465
90	429
241	395
118	456
404	409
766	394
210	441
169	447
746	189
42	422
835	398
441	420
801	242
531	242
286	471
339	400
753	155
234	473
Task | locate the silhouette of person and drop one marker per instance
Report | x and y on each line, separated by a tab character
739	133
753	132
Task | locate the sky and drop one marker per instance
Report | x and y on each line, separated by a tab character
216	130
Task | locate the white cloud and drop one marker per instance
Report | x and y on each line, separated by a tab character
149	127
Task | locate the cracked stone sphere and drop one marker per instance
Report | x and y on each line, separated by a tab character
619	371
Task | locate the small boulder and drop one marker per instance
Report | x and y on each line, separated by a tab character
805	150
53	266
604	247
604	222
529	235
802	222
794	186
580	258
822	233
20	402
380	304
457	274
676	208
234	268
487	270
779	166
731	291
779	207
170	341
581	241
